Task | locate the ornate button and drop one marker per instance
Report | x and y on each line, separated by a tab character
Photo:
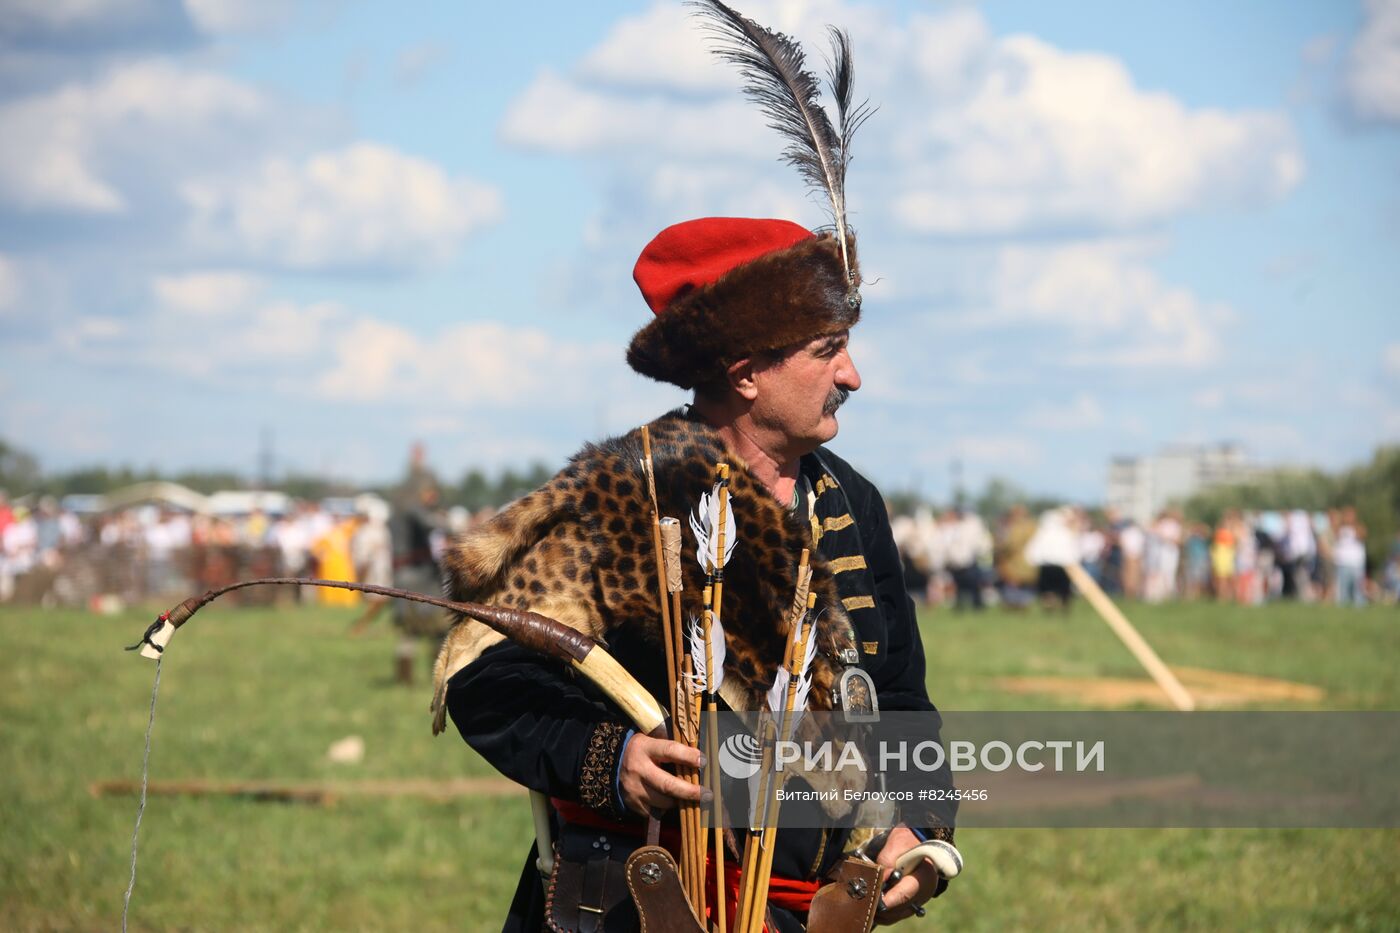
651	873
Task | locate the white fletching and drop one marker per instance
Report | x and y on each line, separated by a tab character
700	681
703	522
804	673
777	694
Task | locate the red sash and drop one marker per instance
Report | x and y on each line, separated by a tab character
792	894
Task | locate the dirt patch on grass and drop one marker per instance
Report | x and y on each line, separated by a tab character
1218	689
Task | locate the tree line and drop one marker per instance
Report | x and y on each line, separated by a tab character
22	475
1373	489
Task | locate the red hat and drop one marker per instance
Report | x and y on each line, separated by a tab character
723	288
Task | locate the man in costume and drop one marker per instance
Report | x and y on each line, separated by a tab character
753	315
415	530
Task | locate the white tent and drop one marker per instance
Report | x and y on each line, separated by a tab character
244	501
171	495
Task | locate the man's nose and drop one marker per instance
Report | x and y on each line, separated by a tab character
846	375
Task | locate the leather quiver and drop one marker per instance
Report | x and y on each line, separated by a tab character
846	904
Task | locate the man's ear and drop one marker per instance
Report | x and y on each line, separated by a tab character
740	376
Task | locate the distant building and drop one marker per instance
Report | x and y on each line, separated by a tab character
1140	487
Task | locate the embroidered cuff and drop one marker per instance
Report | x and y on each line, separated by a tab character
597	780
941	833
618	802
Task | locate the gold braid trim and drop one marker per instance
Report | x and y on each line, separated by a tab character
847	564
595	780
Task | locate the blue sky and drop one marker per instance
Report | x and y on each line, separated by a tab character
1087	233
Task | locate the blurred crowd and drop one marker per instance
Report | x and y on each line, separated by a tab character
105	559
56	555
956	559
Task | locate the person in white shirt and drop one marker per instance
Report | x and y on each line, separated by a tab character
1163	558
969	545
1054	546
372	551
1349	565
1299	547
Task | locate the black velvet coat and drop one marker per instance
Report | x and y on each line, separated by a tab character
542	727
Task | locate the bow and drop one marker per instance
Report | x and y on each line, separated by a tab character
539	633
534	631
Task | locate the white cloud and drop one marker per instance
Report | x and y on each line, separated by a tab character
372	359
206	293
560	115
668	48
1372	80
65	148
198	331
466	364
1209	399
668	114
366	204
1047	139
1105	294
101	327
990	135
1077	414
946	52
691	190
1391	359
285	330
657	48
222	17
463	378
454	379
91	333
213	327
152	142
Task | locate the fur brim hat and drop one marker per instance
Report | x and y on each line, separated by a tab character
724	288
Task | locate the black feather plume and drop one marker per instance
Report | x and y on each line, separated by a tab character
841	73
773	66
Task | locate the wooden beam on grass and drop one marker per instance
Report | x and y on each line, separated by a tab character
316	794
1138	645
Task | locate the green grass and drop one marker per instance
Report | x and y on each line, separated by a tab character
255	694
1351	654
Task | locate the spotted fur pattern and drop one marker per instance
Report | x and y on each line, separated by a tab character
579	549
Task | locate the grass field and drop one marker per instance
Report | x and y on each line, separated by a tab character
256	694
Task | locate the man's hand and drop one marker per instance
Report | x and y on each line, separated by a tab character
645	786
914	888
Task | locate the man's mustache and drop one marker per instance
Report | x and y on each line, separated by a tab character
835	400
